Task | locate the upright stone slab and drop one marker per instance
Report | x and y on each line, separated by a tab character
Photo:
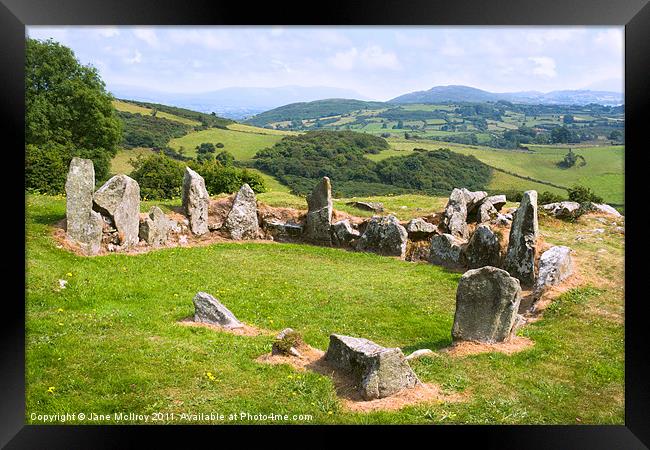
384	235
119	201
377	371
195	201
520	257
241	222
208	309
483	248
319	215
555	265
155	228
447	250
83	225
487	300
461	202
343	233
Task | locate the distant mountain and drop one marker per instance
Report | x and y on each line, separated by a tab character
454	93
236	102
312	110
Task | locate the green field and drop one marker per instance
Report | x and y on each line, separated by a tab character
137	109
111	342
121	162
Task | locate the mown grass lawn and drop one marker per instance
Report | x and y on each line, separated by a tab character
110	342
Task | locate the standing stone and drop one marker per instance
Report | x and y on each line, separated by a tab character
520	257
447	250
83	225
195	201
461	203
419	229
319	215
155	228
208	309
487	300
555	265
242	218
343	233
377	371
384	235
119	201
483	248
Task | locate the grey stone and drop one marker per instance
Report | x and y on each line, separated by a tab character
605	208
378	372
343	233
555	265
447	250
155	228
283	230
487	301
562	210
503	219
483	248
460	204
368	206
118	200
277	349
319	215
384	235
241	222
498	201
83	225
520	256
420	229
208	309
195	201
486	212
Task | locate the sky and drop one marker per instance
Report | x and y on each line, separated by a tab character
378	62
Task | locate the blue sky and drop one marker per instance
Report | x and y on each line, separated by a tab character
377	62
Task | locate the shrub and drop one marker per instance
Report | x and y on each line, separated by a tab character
549	197
220	179
46	168
583	194
159	176
225	158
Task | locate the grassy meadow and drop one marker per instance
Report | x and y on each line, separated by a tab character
137	109
111	342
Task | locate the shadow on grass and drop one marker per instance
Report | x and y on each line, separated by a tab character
44	218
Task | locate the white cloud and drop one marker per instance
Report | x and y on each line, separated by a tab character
147	35
107	32
372	57
135	59
344	60
210	39
544	66
611	39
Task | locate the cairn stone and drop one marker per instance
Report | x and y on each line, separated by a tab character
319	215
343	233
282	230
563	210
486	212
195	201
555	265
286	343
483	248
377	371
461	203
487	301
498	201
447	250
385	236
155	228
118	200
520	257
83	225
241	222
208	309
605	208
418	229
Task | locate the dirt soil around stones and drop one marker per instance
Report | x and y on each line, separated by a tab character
466	348
246	330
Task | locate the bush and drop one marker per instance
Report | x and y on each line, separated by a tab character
549	197
46	168
226	158
159	176
583	194
220	179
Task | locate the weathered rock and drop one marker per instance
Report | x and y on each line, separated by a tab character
384	235
563	210
118	200
155	228
378	371
461	203
503	219
83	225
208	309
343	233
287	343
419	229
319	215
605	208
486	212
520	257
368	206
241	222
487	300
447	250
195	201
483	248
498	201
283	230
555	265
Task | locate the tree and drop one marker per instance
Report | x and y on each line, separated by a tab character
158	175
568	118
560	135
583	194
225	158
615	135
205	152
68	113
570	160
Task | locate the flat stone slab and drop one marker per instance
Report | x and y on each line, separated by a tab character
555	265
420	229
208	309
367	206
377	371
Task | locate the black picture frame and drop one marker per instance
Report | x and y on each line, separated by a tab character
633	14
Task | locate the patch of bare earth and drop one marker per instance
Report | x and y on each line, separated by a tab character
466	348
346	389
246	330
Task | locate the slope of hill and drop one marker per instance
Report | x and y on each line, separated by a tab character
312	110
455	93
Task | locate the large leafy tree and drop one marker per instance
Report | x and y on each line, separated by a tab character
68	113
